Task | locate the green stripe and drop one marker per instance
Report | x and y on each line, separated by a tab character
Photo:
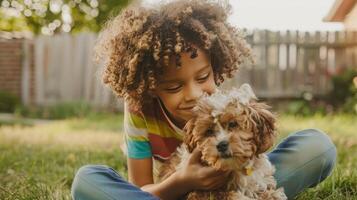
138	149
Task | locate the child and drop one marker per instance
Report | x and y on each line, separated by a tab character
161	61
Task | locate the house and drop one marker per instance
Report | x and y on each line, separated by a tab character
344	11
16	66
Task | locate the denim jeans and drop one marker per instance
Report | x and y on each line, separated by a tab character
302	160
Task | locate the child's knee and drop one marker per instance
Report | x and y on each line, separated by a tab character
86	182
303	159
321	149
310	149
88	172
315	152
315	143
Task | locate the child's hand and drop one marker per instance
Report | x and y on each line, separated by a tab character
198	177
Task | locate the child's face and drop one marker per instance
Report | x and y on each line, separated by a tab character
179	88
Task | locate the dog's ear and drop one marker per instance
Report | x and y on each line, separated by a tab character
264	132
188	137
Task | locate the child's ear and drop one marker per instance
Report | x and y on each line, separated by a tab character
265	130
188	137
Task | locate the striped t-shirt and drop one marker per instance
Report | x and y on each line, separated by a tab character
150	133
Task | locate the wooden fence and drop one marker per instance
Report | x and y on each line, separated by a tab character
287	65
65	71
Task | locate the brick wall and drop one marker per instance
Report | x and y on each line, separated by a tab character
11	68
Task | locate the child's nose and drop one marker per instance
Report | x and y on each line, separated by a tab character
193	92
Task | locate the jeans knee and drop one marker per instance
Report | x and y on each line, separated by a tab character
317	142
88	171
319	147
84	183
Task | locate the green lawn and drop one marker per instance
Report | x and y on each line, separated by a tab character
39	161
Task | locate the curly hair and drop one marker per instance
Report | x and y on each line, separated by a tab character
138	43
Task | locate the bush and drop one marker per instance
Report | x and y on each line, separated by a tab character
350	106
303	107
58	111
343	90
8	102
298	107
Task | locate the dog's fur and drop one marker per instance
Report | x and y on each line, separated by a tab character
248	127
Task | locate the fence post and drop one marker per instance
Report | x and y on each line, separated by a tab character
26	72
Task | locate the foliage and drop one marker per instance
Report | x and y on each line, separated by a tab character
58	111
98	121
303	107
11	23
343	93
53	16
8	102
351	104
299	107
342	98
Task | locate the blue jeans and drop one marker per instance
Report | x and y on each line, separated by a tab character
302	160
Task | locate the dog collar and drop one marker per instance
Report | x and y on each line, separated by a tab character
248	168
248	171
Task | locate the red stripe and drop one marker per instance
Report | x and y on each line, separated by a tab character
163	147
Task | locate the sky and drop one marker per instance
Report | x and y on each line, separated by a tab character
302	15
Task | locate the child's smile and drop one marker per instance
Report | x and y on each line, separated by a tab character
179	88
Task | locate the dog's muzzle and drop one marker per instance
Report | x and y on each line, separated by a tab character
222	146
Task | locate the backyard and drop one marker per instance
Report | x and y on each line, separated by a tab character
56	114
38	160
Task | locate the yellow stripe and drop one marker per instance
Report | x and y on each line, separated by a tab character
135	121
162	129
138	138
152	125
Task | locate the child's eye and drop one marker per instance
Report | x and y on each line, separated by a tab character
173	89
204	77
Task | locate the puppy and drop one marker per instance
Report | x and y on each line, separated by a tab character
232	130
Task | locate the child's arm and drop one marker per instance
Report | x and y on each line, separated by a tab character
193	176
140	173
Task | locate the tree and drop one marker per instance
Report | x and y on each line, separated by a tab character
53	16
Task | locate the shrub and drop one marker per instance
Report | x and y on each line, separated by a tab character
343	89
350	106
8	102
303	107
58	111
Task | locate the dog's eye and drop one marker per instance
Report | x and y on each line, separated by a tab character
232	124
209	132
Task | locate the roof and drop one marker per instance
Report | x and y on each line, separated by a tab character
339	10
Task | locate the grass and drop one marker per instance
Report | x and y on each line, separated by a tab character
342	184
39	161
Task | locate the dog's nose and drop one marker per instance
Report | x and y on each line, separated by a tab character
222	146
